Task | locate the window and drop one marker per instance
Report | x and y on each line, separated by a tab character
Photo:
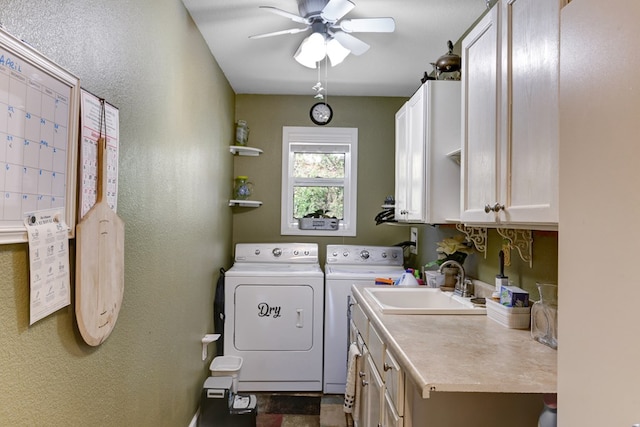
319	174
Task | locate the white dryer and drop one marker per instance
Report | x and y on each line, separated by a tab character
274	302
347	265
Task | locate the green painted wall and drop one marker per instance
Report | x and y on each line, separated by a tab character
176	122
543	268
266	115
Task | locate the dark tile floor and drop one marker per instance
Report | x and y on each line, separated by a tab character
330	411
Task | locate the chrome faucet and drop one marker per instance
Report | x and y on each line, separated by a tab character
461	285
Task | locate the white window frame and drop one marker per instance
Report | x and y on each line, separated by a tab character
323	140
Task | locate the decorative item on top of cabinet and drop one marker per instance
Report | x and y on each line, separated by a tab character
510	116
427	184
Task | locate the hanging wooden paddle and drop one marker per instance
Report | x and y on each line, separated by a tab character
99	260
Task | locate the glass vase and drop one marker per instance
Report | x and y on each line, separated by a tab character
544	315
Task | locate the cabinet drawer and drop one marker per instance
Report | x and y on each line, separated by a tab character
391	418
394	381
376	349
361	321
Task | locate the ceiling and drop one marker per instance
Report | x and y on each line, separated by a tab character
393	66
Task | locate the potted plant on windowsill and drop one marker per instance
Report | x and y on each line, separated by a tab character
318	220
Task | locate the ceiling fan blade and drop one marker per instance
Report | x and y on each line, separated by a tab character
292	16
277	33
355	45
368	25
336	9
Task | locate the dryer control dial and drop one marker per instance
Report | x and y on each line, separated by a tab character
364	254
276	252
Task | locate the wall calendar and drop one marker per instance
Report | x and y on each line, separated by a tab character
39	113
97	118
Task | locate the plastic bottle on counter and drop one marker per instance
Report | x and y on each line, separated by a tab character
407	279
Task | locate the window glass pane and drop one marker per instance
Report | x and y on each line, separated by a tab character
318	165
308	200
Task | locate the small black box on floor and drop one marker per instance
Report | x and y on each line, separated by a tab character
219	407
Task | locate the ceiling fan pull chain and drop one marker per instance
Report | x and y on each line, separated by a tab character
326	80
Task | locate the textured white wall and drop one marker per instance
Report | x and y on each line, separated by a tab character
176	119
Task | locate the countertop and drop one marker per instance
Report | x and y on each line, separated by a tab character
463	353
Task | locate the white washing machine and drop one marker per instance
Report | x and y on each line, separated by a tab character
347	265
274	303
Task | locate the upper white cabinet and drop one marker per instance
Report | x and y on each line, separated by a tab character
427	183
510	122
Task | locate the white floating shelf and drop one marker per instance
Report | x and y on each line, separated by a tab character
245	203
242	150
455	155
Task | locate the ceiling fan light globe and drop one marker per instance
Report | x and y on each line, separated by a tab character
303	59
311	50
336	52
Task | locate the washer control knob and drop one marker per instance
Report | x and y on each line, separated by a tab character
364	254
257	252
306	253
276	252
296	252
345	254
383	254
335	253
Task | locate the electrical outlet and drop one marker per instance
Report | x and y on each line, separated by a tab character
414	239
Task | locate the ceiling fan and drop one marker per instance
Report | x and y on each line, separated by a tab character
330	34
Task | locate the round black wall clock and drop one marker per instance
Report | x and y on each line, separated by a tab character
321	113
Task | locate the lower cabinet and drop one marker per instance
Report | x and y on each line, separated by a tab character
382	396
375	391
389	398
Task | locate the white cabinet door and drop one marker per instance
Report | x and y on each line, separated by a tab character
510	115
402	156
361	418
529	135
375	392
479	157
427	129
410	146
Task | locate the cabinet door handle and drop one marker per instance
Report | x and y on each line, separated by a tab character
386	367
365	383
361	374
495	208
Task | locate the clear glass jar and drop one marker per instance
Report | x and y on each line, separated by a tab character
544	315
242	133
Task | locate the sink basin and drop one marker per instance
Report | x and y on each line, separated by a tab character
394	300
